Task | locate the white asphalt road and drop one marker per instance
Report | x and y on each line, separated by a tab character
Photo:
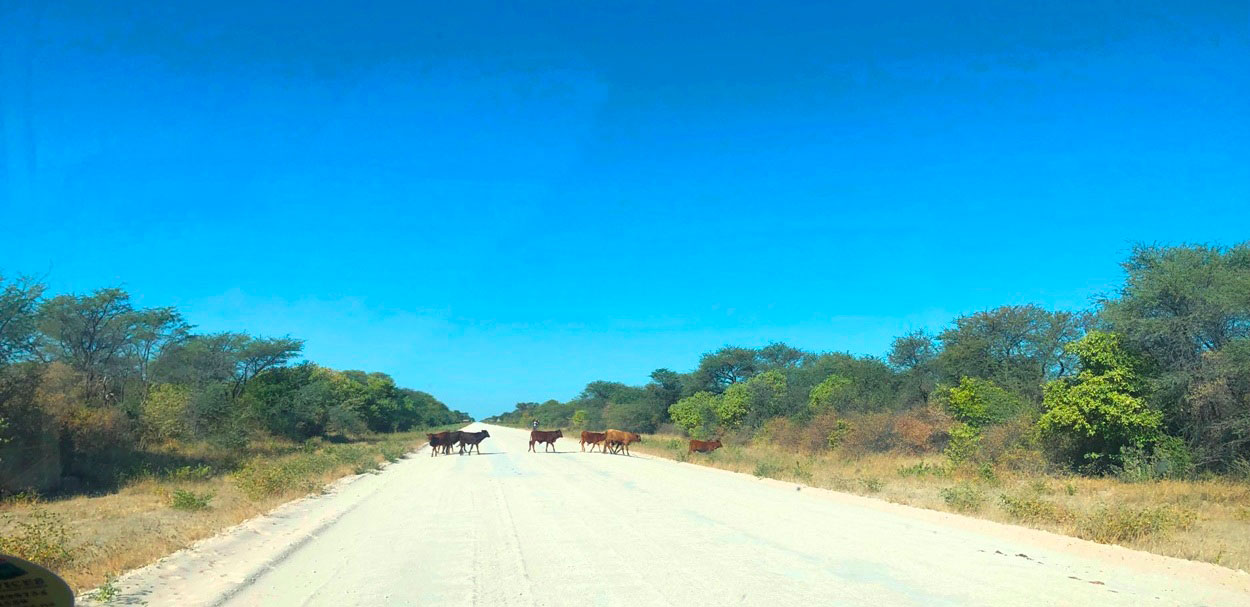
570	528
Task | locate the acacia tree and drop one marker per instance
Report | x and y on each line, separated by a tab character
1019	347
1186	311
914	356
154	330
727	366
19	301
90	333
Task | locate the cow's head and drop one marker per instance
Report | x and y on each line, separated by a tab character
715	444
485	434
560	433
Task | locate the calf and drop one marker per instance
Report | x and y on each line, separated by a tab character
472	439
545	436
594	438
704	446
621	439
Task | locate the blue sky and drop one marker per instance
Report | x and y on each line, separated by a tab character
498	204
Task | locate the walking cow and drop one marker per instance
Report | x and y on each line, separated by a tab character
545	436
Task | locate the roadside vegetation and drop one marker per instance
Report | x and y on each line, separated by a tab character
124	434
1204	518
1125	423
90	538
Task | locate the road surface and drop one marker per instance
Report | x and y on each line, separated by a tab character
515	528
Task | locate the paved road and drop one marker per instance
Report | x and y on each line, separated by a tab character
570	528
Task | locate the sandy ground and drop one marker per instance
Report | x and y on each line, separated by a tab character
570	528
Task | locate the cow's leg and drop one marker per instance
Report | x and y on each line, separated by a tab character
531	445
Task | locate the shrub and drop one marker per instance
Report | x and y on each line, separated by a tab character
963	497
42	538
801	471
815	434
201	472
871	484
107	592
920	469
1031	509
393	452
869	433
965	441
781	432
838	434
1112	524
914	434
165	412
182	499
986	473
767	469
1014	434
980	402
1169	458
1100	411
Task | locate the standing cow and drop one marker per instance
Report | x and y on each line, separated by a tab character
704	446
545	436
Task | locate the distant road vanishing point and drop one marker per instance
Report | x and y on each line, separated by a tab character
509	527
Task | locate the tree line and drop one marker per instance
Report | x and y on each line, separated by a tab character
1154	375
86	381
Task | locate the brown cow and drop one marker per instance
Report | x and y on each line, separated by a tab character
545	436
619	438
704	446
437	440
594	438
471	440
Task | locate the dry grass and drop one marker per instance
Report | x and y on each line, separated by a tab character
1207	520
89	539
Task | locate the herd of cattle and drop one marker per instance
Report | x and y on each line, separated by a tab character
608	441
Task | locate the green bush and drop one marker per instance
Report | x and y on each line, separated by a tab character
182	499
42	537
767	469
201	473
963	497
980	402
965	441
838	435
1168	457
1102	410
920	469
107	592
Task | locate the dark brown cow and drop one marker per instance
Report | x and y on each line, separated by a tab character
437	440
621	439
472	439
453	437
545	436
594	438
704	446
